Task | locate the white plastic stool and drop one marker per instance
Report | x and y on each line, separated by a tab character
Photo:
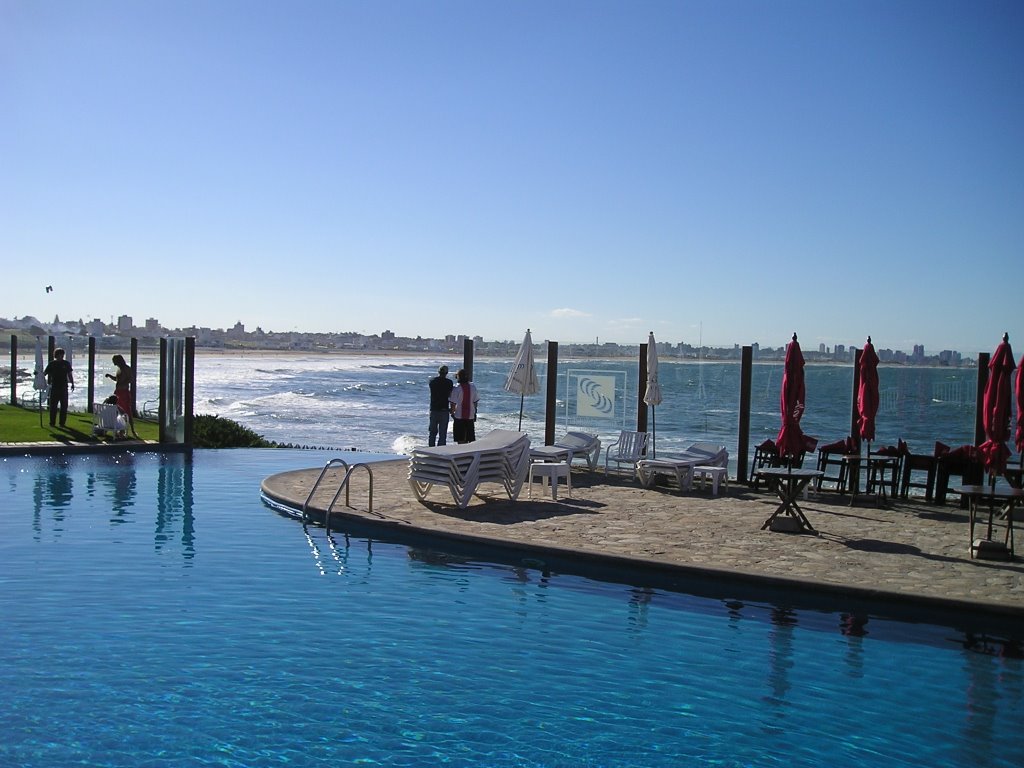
551	470
717	475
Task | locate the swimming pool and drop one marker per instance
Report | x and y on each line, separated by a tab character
156	613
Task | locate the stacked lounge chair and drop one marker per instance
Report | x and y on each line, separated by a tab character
502	456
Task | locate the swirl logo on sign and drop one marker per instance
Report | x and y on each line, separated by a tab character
595	397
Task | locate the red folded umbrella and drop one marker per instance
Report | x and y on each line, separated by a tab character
996	414
867	392
791	438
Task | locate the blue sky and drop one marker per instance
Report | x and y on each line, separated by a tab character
586	169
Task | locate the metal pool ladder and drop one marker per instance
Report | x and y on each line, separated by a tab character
343	487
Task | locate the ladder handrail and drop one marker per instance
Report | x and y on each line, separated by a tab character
327	466
345	486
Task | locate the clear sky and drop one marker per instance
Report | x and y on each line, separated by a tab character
587	169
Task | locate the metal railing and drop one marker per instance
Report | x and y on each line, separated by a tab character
344	486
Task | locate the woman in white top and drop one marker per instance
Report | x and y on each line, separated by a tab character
464	401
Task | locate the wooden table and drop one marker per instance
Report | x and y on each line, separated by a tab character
788	484
1001	497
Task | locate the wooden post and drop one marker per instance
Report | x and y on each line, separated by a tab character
854	412
979	398
14	369
467	357
552	394
641	391
190	370
134	364
91	396
743	443
162	397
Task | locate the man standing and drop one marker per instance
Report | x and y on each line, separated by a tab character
58	376
440	390
464	400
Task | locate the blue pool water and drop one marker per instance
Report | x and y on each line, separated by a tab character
156	613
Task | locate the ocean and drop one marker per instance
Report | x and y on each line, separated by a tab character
379	403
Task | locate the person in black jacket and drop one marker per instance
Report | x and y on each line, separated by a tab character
59	376
440	390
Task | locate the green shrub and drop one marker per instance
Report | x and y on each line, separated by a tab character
215	432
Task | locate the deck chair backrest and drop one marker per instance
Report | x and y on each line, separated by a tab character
629	449
632	445
578	441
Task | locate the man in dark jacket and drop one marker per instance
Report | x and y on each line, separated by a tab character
58	376
440	390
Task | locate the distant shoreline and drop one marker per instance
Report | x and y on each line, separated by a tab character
209	352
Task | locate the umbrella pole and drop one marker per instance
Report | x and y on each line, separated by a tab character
654	433
522	398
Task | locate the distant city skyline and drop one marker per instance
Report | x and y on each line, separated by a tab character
240	335
589	169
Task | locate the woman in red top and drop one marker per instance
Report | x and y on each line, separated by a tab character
123	389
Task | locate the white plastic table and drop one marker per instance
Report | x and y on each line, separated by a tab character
551	471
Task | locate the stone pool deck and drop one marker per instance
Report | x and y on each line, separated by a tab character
904	551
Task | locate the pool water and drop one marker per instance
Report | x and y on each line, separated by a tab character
156	613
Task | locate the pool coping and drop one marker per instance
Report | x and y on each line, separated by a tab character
74	448
629	566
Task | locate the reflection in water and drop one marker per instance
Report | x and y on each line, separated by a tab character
982	703
339	554
854	627
784	621
52	489
639	600
174	503
117	473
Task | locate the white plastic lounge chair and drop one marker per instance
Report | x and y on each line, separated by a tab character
678	467
107	417
628	449
710	454
572	445
682	466
502	456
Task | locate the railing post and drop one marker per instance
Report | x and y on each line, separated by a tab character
161	409
134	364
979	398
552	394
854	412
14	369
467	357
189	395
743	442
91	390
641	390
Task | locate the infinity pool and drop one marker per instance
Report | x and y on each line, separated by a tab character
155	613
